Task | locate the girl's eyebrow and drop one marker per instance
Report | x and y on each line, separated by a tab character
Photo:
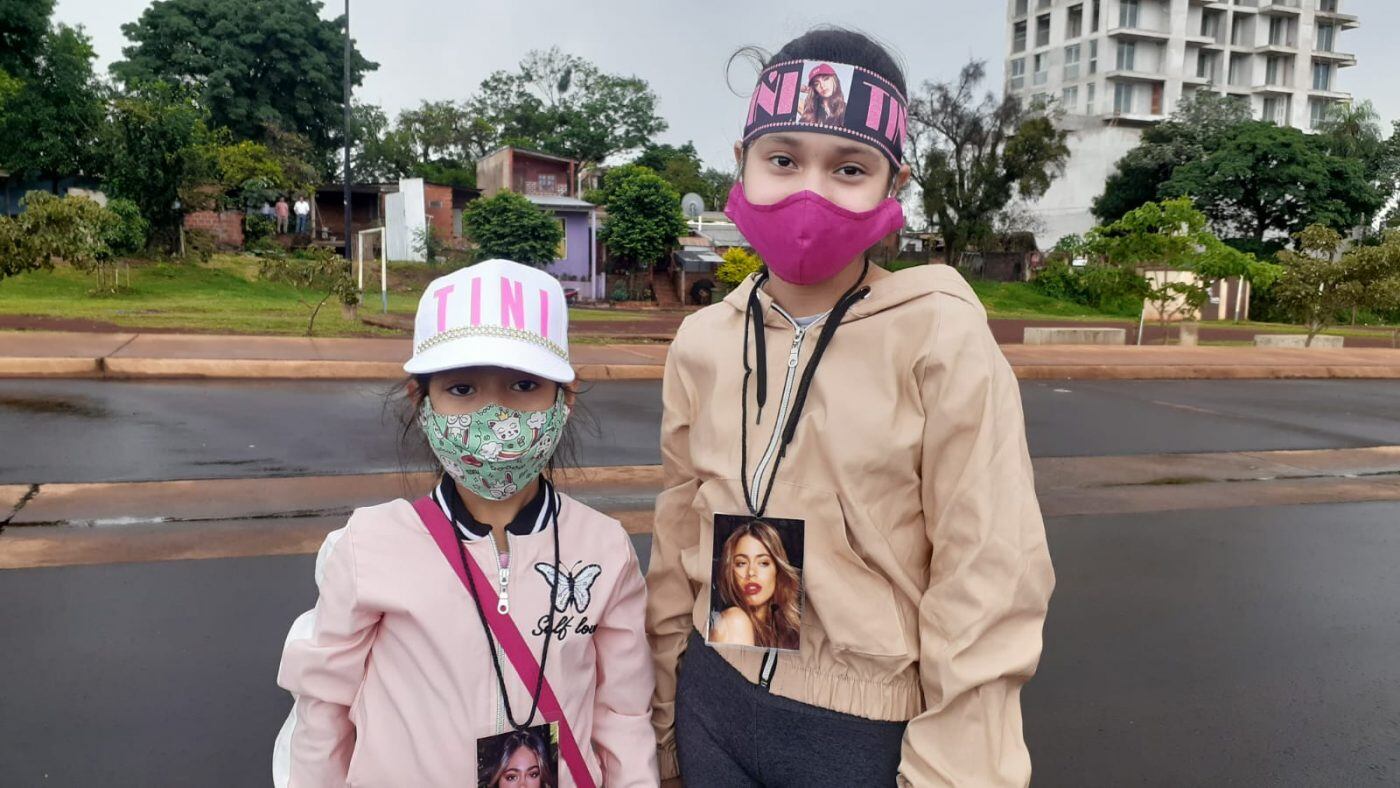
855	149
785	139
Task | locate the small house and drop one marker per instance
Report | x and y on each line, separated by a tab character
551	182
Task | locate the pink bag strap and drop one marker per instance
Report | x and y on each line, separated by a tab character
507	635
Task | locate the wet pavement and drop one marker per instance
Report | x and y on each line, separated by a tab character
1246	647
94	431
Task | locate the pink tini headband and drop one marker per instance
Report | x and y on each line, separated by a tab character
832	98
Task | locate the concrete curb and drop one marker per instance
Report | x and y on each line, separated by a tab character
42	367
1203	372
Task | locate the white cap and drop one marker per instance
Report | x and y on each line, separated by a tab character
493	314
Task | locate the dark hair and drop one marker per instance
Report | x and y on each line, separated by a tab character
834	45
839	45
829	43
490	772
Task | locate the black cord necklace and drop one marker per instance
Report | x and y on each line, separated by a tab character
554	505
754	315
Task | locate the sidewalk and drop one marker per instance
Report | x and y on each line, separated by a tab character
45	354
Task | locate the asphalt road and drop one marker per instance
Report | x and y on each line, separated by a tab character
90	431
1240	647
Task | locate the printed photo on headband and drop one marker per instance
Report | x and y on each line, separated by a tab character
823	96
831	98
756	583
526	758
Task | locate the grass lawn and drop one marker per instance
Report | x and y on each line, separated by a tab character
223	295
1017	300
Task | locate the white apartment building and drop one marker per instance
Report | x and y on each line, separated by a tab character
1115	66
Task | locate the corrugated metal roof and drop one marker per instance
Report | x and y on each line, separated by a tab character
564	203
724	235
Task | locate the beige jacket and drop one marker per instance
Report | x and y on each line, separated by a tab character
926	575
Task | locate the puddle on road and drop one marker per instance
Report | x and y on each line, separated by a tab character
52	406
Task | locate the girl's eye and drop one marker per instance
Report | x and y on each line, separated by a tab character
526	386
461	390
765	564
851	171
782	161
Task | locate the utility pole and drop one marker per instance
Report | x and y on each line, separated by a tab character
347	130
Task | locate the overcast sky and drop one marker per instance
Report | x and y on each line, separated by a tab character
441	49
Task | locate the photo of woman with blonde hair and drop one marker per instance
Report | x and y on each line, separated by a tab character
760	589
823	100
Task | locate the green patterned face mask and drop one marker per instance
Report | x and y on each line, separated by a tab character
496	451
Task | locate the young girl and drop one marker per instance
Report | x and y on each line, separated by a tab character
875	411
492	604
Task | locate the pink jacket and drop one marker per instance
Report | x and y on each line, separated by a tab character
392	674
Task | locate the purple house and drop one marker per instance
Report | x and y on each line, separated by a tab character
551	182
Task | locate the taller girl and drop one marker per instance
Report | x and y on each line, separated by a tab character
871	417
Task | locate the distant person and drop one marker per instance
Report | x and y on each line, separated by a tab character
303	212
397	670
281	211
266	211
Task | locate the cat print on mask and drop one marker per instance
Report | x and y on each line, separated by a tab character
506	429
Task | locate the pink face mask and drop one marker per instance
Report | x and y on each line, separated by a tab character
805	238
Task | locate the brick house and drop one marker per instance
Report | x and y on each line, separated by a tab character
442	206
551	182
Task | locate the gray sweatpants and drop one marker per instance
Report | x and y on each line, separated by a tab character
731	734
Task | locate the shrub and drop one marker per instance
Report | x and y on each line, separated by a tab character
738	264
130	232
257	230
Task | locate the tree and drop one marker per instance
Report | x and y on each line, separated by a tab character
681	167
1315	285
53	115
1174	236
295	154
157	150
439	141
719	182
562	104
1267	178
1200	124
318	270
23	25
971	157
1375	272
510	227
644	219
252	62
446	133
380	152
1353	131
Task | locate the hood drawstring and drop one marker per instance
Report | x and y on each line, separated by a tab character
754	312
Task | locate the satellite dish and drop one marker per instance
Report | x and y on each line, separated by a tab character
692	205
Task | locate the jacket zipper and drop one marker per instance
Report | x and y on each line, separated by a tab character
800	332
502	607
